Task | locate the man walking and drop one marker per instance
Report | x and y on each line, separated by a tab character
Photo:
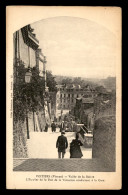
53	126
62	126
62	145
46	127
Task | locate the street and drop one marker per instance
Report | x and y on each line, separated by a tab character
43	145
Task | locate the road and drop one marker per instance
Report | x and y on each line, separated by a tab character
43	145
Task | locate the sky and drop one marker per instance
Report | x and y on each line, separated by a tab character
76	47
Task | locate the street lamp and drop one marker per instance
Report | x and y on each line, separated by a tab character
28	76
46	89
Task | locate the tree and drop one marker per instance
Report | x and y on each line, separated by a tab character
77	80
27	97
66	81
51	83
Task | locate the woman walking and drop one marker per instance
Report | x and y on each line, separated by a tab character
75	150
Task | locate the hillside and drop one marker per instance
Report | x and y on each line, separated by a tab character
109	83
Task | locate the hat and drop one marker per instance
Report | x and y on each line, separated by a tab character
63	132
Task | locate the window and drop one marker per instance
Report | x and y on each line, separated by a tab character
32	57
40	68
64	95
68	95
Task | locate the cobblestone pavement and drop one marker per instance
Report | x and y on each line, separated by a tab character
62	165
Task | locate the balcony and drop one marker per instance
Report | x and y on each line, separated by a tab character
29	38
33	38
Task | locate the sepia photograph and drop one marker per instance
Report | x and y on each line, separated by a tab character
64	97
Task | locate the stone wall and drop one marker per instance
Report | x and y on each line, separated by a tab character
104	140
105	109
41	120
20	134
19	140
110	111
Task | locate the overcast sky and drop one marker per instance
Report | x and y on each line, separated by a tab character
76	47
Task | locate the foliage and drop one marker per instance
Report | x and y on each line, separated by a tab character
27	96
51	83
75	81
66	81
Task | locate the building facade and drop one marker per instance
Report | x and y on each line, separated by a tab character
26	51
84	111
67	95
27	54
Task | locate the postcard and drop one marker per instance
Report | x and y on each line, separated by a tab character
63	97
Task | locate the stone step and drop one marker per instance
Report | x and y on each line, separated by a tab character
62	165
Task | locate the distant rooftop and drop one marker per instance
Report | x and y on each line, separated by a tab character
87	100
73	86
102	90
88	111
59	86
88	88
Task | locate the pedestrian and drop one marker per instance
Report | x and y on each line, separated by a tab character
75	150
62	126
46	127
66	126
62	145
53	126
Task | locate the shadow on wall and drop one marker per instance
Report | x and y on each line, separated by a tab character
104	141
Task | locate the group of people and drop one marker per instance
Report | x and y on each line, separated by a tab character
53	127
63	126
62	145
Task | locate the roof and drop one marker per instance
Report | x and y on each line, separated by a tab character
59	86
87	100
79	98
69	86
105	93
73	86
88	88
106	101
30	37
102	90
77	87
89	111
